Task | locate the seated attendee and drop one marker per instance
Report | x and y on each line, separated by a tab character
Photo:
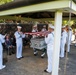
9	45
13	41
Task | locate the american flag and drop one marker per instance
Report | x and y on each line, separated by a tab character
44	33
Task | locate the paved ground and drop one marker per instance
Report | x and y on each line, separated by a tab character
71	63
34	65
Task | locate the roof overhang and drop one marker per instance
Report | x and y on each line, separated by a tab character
20	3
60	5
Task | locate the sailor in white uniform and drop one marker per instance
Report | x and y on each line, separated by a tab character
63	41
44	50
19	43
44	28
50	43
2	40
69	37
34	30
34	36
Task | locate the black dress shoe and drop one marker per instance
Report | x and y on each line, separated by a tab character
13	52
22	57
35	54
46	71
10	54
42	56
19	58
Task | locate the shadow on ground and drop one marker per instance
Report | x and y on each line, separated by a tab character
35	65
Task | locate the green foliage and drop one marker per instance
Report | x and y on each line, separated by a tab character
74	25
5	1
1	21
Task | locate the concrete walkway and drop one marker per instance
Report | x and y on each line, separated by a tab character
35	65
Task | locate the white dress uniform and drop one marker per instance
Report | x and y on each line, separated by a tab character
19	43
34	36
63	42
1	51
44	51
69	37
50	43
44	29
34	30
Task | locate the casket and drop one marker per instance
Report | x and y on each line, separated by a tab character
38	43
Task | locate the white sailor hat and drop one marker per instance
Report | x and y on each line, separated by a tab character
44	26
70	28
51	26
35	26
19	27
63	26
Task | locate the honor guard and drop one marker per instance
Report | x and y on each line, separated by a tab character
44	50
1	51
69	37
34	36
63	41
19	43
34	30
44	28
50	43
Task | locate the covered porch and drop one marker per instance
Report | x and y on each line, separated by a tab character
57	6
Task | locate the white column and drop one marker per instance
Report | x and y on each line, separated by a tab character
56	52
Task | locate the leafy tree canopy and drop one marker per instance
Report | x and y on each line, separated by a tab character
5	1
